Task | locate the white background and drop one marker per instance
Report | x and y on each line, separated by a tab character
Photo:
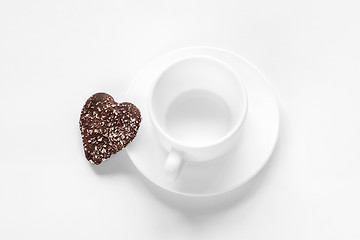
55	54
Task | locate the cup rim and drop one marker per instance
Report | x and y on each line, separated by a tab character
220	140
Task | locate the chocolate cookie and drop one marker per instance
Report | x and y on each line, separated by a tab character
107	126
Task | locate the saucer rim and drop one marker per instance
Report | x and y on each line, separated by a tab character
260	168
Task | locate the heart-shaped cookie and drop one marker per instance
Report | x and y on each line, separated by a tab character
107	126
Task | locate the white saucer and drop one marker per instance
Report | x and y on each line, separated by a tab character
220	175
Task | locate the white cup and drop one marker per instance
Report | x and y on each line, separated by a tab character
197	107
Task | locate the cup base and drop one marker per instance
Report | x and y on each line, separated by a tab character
198	117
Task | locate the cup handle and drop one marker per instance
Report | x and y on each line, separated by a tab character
173	165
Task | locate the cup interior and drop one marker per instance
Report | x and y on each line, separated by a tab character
198	102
